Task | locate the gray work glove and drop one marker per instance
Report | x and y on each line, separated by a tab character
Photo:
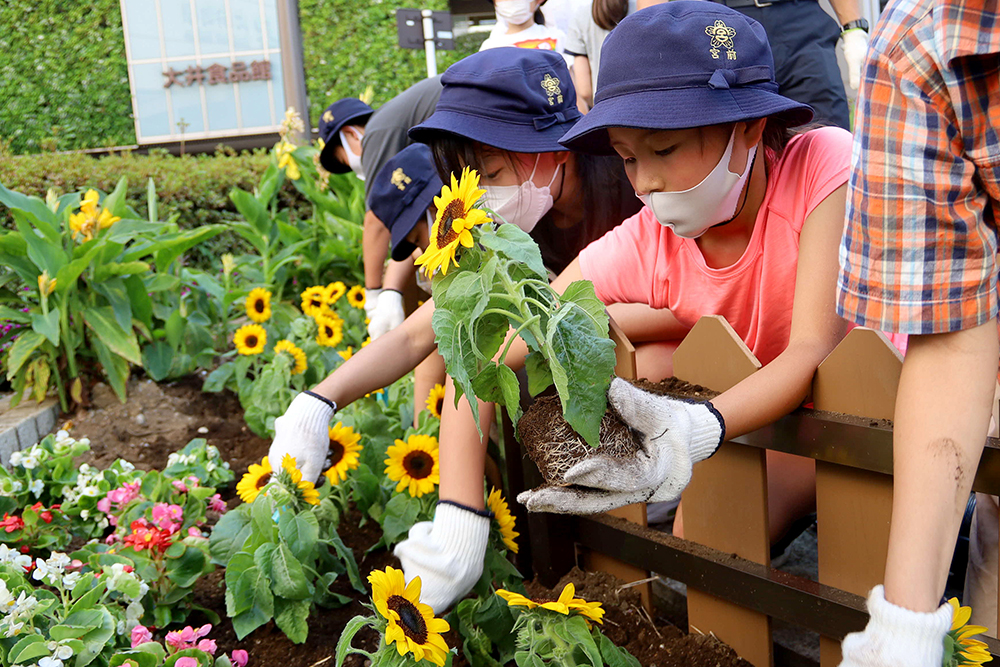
675	434
447	553
304	432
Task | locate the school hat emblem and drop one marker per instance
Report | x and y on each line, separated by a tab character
722	38
327	116
400	179
550	85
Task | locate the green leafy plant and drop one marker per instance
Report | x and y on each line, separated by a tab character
85	262
200	460
281	552
562	632
499	282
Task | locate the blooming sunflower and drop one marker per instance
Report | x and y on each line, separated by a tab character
91	217
314	301
250	339
259	305
456	215
297	355
435	400
347	354
331	329
414	464
255	479
356	296
344	451
960	648
504	519
411	623
334	291
566	604
305	487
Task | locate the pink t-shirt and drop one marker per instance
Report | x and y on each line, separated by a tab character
641	261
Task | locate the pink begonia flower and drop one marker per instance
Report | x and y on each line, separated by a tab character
167	517
104	504
179	485
111	539
208	646
141	635
217	504
186	661
192	480
175	640
194	532
239	657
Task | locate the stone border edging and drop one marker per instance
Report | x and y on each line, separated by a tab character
23	426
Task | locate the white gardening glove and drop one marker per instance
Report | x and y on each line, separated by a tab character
371	300
304	432
897	637
855	48
387	313
447	554
675	435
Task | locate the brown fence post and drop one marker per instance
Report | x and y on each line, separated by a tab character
725	506
854	506
598	562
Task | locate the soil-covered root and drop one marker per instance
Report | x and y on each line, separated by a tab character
555	447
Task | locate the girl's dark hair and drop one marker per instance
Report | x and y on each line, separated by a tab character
608	13
539	16
604	196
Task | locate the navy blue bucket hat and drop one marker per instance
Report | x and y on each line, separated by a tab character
520	100
402	192
682	64
348	111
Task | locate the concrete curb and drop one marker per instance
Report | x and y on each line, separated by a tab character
23	426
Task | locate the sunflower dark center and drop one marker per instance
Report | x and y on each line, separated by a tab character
336	452
418	464
409	618
446	234
328	330
439	406
251	341
259	305
316	303
263	480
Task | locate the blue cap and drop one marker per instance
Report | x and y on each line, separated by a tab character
520	100
348	111
402	192
682	64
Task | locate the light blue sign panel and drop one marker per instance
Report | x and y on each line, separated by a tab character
203	68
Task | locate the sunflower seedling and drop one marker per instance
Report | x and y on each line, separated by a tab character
497	283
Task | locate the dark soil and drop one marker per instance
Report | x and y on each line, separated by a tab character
655	644
174	413
554	446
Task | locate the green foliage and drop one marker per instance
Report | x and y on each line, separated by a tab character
63	77
547	637
349	45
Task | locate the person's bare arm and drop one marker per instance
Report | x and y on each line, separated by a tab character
780	387
847	10
943	408
375	240
398	274
584	85
382	362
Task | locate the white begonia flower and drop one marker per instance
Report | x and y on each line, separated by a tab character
120	627
127	467
25	605
49	661
29	461
14	557
18	486
133	611
210	466
84	514
63	439
103	523
6	599
37	487
59	559
84	441
15	458
11	628
70	580
60	650
172	459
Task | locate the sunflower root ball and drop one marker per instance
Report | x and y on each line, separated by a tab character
447	554
303	432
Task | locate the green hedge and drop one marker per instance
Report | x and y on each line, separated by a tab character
195	187
64	80
63	75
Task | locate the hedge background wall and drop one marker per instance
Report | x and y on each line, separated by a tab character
64	81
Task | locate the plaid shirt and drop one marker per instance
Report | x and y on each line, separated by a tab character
919	248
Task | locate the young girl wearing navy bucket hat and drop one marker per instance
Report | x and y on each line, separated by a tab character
743	218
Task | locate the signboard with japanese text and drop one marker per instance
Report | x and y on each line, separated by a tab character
201	69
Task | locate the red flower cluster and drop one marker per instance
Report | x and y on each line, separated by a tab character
144	536
11	523
45	514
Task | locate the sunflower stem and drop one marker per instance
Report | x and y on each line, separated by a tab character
529	320
517	332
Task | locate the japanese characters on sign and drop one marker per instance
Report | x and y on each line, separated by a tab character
214	74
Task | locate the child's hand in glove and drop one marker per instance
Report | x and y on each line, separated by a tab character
303	432
674	435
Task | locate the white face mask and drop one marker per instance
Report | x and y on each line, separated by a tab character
514	12
524	204
353	159
692	212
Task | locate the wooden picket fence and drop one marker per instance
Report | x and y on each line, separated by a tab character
725	559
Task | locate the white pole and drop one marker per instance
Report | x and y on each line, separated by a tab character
429	48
